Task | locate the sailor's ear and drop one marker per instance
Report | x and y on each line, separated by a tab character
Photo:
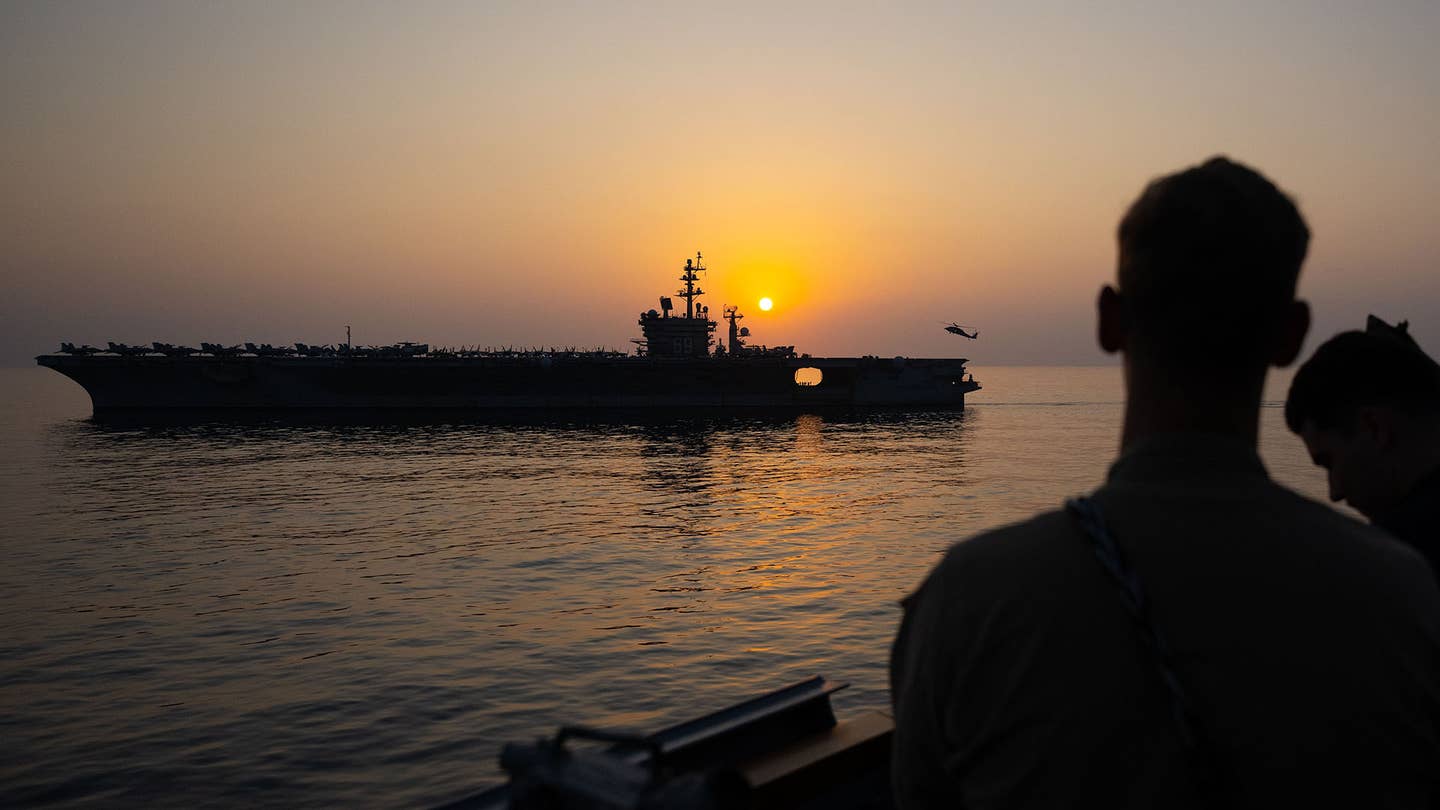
1114	325
1378	424
1290	334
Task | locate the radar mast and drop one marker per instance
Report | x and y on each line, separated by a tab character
691	292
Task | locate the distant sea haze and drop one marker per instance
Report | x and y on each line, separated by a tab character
360	615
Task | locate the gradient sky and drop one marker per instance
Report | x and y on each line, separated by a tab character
527	174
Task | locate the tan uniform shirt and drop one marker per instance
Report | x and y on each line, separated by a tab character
1308	645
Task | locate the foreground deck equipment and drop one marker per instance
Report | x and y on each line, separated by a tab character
783	749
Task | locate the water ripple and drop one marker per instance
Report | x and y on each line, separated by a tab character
318	614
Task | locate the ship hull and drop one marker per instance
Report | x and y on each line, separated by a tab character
155	382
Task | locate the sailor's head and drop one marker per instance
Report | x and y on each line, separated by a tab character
1208	263
1367	406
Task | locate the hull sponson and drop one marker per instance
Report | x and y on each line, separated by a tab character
153	382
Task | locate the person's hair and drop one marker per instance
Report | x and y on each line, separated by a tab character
1382	366
1209	259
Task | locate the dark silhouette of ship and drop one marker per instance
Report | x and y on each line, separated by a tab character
677	364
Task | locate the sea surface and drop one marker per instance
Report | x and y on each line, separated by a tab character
316	614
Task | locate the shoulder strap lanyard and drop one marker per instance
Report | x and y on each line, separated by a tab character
1087	514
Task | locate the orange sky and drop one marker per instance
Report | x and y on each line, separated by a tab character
537	174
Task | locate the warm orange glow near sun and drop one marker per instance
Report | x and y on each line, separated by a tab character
871	228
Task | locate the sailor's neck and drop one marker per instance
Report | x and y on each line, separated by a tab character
1156	406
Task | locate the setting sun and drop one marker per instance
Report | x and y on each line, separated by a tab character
766	304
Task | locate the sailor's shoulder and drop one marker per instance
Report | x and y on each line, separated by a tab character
1027	544
1321	523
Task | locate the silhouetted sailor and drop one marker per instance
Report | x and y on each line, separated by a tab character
1367	405
1192	634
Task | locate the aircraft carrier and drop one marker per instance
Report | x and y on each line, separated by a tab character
677	364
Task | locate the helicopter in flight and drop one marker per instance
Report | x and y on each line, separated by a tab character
957	329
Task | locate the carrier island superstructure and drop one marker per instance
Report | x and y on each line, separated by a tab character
677	364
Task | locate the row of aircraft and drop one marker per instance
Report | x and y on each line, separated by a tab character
262	350
405	349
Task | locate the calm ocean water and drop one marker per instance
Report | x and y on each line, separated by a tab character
310	614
